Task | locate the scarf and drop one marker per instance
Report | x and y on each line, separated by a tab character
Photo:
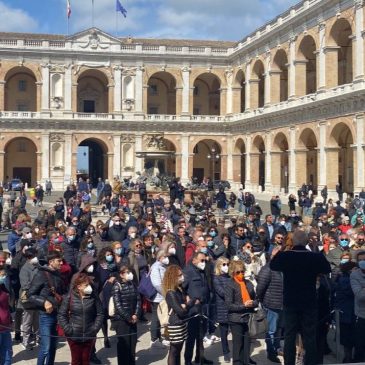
244	292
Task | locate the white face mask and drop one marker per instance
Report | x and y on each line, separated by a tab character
133	234
165	261
129	276
201	265
34	261
88	290
172	251
224	269
90	269
282	223
8	261
319	224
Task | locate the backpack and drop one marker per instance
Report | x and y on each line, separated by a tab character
163	313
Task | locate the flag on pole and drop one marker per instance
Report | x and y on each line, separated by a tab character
120	8
68	8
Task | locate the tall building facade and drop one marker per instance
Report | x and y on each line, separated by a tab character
282	107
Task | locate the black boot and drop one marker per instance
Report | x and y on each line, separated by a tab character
94	359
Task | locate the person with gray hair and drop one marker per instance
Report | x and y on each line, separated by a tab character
71	248
300	268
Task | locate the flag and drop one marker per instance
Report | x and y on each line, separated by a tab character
68	8
120	8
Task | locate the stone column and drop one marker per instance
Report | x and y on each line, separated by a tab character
110	159
322	165
301	173
267	80
74	100
185	109
145	98
139	90
360	158
179	92
39	166
331	66
117	156
177	164
39	96
332	172
291	70
138	148
2	94
45	87
268	163
236	100
223	99
68	158
45	157
292	162
236	170
74	167
248	87
358	57
68	88
301	77
275	171
184	159
110	107
230	165
254	172
275	86
321	58
254	86
248	163
229	94
224	169
117	89
2	166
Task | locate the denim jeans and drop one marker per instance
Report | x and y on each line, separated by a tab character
6	350
272	340
48	343
224	328
155	323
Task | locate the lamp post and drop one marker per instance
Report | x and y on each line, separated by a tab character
213	156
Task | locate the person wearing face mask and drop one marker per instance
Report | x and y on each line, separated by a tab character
357	280
131	235
81	316
118	253
157	274
6	352
221	280
127	303
71	247
334	256
240	299
197	288
30	317
88	248
117	231
171	251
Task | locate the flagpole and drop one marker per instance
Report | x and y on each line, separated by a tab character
92	13
68	18
116	23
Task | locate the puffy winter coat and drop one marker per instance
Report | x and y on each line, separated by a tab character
196	283
269	288
127	300
174	300
81	318
237	312
220	283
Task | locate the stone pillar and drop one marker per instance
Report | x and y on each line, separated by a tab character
322	165
45	157
332	173
254	86
236	168
291	69
248	164
301	173
331	66
117	89
110	108
139	90
191	164
301	77
254	172
224	169
275	171
230	165
267	80
74	100
248	87
138	148
236	100
45	87
178	164
184	174
268	163
145	98
39	167
360	158
358	56
2	94
223	99
74	167
321	58
275	86
68	88
117	156
229	94
185	109
2	167
68	159
292	162
39	96
110	157
179	93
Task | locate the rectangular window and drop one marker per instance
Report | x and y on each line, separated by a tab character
22	85
153	89
153	110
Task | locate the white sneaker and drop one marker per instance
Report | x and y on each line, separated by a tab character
207	341
165	342
157	344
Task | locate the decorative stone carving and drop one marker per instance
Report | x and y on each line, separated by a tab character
94	41
57	68
90	65
155	142
57	137
129	71
128	138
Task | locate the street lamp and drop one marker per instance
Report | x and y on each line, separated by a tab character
213	156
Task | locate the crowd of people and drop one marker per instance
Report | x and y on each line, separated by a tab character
67	275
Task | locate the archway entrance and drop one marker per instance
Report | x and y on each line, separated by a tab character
21	160
206	98
92	160
258	162
239	162
280	163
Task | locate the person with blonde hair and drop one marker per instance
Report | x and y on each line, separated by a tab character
240	299
180	308
221	280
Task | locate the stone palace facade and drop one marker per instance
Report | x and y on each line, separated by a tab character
281	107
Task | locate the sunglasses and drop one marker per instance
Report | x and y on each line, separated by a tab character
202	260
249	247
224	264
138	245
239	272
279	238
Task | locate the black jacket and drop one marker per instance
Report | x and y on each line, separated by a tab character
300	268
127	300
237	312
71	252
196	284
174	300
81	319
117	234
269	288
220	283
40	288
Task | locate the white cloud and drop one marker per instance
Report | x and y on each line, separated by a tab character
16	20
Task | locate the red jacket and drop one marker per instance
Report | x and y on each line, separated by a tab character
189	252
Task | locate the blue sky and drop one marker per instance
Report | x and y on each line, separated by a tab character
192	19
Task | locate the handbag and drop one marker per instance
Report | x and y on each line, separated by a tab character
146	288
257	323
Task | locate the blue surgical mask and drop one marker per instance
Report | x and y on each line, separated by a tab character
210	243
344	261
204	250
212	233
362	264
109	258
2	279
344	243
118	251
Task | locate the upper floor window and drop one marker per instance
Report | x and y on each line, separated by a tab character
22	85
22	107
153	90
153	110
